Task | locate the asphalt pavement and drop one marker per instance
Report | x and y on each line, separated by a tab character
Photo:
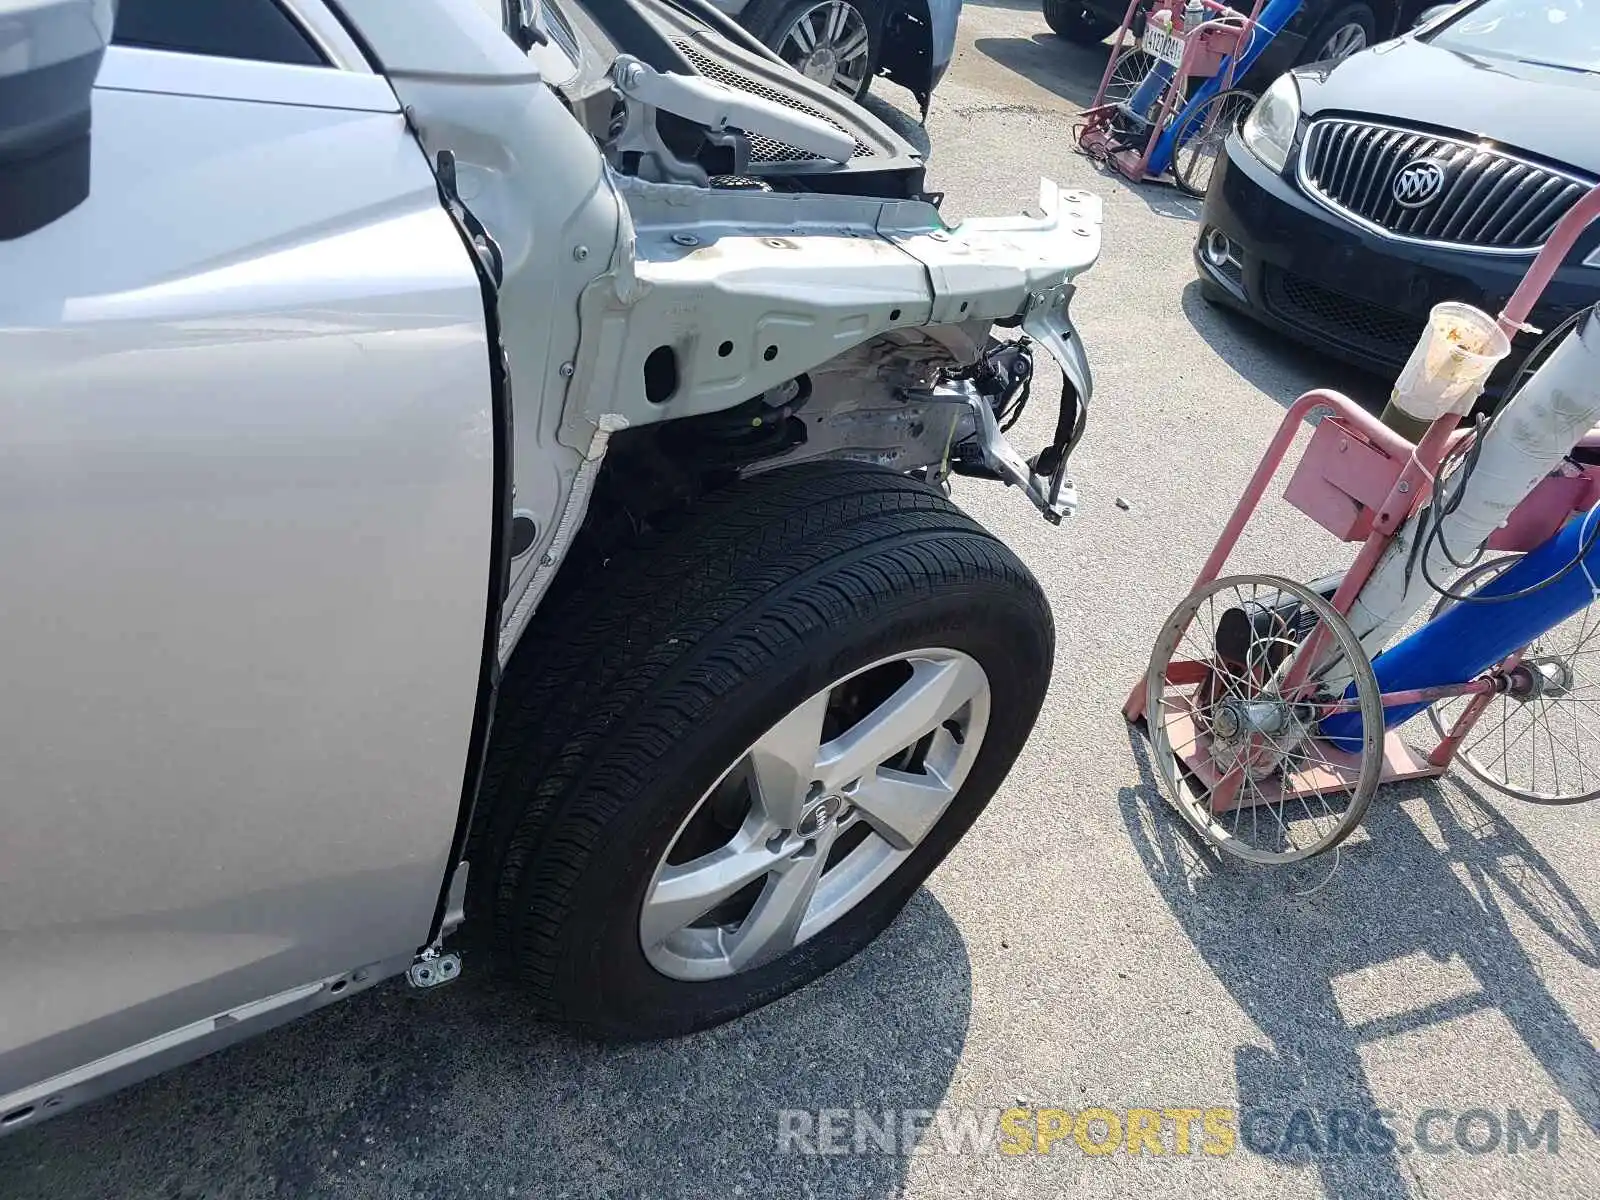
1077	951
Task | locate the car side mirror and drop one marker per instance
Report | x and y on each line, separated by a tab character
1428	15
50	52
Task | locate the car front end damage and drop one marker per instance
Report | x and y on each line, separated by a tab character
844	327
667	322
744	331
739	331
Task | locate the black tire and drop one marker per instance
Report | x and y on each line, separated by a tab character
668	665
1343	17
770	20
1076	23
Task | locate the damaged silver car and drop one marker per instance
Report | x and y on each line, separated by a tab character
474	500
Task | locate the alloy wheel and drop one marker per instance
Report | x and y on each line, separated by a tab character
1343	42
829	44
816	815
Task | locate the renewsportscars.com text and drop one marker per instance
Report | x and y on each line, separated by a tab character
1174	1131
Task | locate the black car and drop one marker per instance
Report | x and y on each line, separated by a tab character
1321	30
1357	195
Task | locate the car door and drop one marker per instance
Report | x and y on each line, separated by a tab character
246	504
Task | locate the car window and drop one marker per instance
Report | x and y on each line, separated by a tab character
255	29
1564	34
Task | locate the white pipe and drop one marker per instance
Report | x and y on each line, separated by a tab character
1527	440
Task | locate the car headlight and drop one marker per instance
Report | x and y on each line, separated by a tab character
1268	131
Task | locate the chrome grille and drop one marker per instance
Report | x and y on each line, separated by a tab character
762	149
1485	199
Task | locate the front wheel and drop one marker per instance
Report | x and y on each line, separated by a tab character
773	723
831	42
1127	73
1076	23
1346	31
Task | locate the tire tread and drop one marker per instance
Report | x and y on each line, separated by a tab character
644	656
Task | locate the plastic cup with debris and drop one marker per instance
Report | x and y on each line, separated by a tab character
1451	363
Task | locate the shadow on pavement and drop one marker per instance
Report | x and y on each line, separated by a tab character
458	1093
1273	362
1279	956
1071	72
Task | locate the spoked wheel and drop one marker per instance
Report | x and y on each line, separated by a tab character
1200	138
1346	31
1540	741
829	42
1132	65
1232	731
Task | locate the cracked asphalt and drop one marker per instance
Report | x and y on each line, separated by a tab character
1077	950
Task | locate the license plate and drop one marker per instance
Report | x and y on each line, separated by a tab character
1163	45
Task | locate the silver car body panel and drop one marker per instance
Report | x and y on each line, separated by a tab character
538	184
246	508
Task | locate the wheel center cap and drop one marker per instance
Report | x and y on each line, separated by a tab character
821	65
824	811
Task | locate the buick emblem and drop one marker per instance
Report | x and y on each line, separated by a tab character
1416	183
